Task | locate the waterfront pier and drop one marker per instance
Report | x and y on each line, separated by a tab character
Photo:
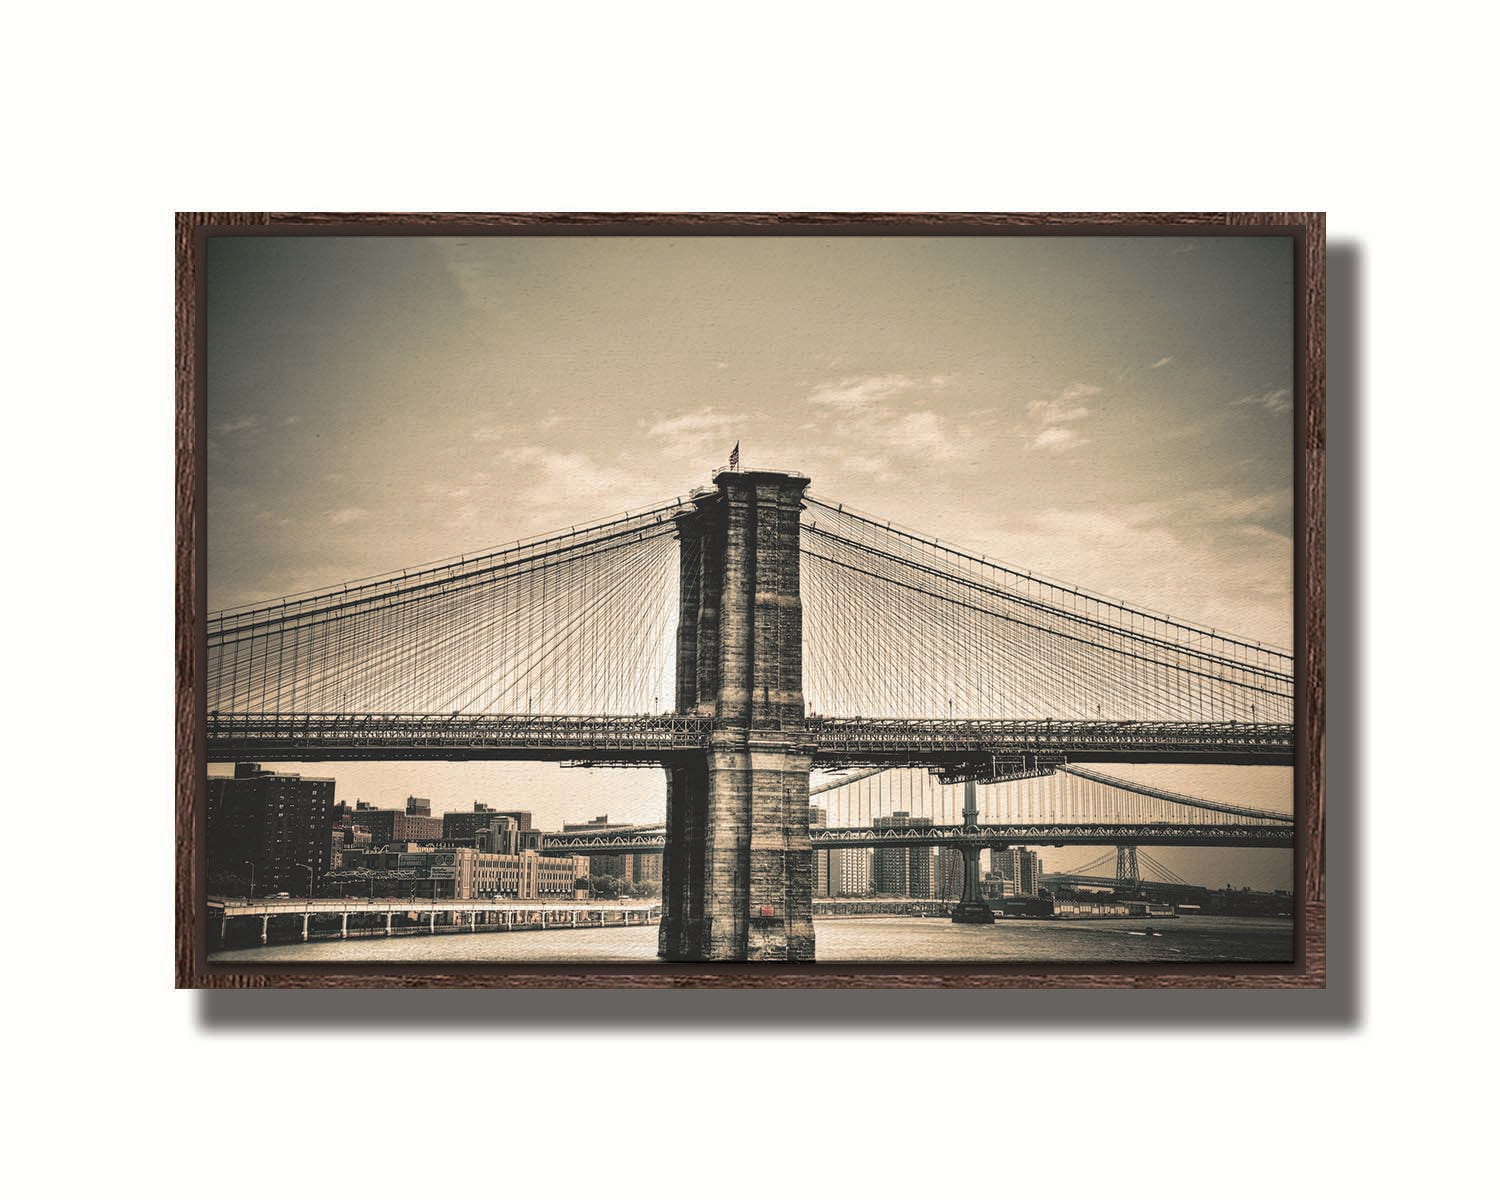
263	921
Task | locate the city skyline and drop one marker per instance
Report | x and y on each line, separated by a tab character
560	803
1110	411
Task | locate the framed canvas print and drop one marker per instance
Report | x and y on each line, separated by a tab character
750	600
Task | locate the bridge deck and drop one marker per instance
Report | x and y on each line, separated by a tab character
1070	833
646	740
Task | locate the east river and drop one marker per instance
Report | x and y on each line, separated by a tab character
839	940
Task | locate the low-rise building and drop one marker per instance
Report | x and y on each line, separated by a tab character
387	825
457	873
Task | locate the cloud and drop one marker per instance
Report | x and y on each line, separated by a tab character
1057	439
1234	578
1056	414
1161	362
1260	533
699	423
1278	400
839	462
1066	406
856	392
556	478
704	435
1220	504
244	423
1055	410
346	516
925	434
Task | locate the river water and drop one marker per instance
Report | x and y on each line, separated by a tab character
840	940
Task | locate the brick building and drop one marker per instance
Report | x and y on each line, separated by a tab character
390	825
457	873
280	826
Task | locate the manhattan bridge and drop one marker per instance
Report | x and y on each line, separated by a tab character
740	639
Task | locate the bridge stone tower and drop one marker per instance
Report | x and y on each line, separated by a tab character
972	910
737	876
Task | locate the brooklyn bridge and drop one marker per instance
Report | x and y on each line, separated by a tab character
741	638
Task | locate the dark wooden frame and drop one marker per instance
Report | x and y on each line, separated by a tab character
1308	970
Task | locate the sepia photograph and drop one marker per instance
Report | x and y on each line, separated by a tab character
633	595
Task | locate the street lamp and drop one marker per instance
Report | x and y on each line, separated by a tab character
251	865
309	871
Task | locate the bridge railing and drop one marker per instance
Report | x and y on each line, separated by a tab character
985	834
1059	833
567	734
894	736
831	740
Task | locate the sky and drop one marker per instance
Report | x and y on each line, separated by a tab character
1111	412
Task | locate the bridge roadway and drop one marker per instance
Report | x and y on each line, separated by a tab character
649	839
1109	882
648	740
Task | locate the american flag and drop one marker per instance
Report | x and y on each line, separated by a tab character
734	458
